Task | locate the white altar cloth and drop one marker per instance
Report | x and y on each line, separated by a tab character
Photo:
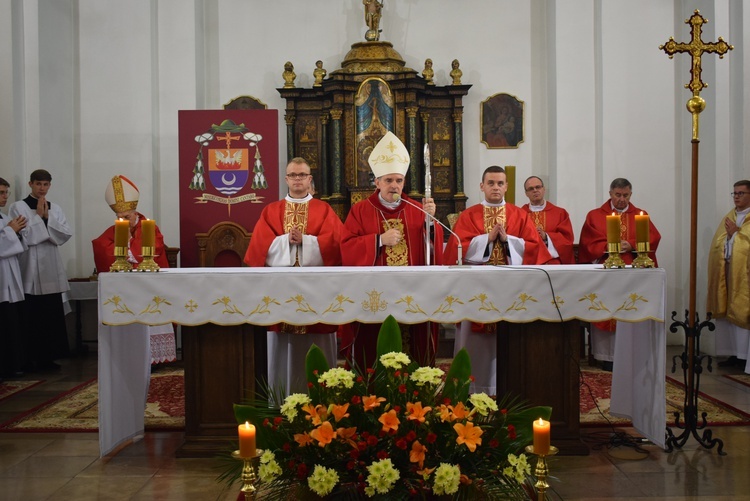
128	302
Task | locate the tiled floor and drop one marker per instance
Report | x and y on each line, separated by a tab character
67	467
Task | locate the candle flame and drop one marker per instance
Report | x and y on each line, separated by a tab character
541	421
641	213
247	425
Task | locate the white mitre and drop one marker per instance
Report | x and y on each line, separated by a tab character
122	194
389	156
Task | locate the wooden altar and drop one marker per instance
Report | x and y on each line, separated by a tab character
335	124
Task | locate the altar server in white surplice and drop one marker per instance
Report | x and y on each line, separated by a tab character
44	278
296	231
11	289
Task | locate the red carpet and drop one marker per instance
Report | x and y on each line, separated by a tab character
77	411
8	388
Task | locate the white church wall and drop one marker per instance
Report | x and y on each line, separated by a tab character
601	100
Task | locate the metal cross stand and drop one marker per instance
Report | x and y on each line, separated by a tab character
692	362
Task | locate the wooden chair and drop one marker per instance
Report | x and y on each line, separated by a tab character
172	255
223	245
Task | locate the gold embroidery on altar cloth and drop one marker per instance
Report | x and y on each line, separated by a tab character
296	216
540	220
396	255
493	216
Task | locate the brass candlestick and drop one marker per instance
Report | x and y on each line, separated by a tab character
643	261
121	260
248	475
148	263
542	470
614	260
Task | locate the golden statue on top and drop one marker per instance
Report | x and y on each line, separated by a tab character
372	19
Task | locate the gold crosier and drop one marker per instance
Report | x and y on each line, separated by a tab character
493	216
396	255
695	105
296	215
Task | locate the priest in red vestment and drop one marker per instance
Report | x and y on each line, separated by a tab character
492	232
592	248
388	229
552	222
297	231
122	196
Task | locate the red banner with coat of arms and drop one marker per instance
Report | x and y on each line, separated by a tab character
229	171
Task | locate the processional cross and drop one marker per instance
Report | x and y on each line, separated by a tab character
692	362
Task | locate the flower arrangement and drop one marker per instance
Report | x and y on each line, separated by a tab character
394	431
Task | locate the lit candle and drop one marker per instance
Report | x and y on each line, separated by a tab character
247	440
122	232
148	233
641	228
613	229
541	437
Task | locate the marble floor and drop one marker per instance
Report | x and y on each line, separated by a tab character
67	467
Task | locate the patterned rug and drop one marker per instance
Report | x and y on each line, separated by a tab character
598	383
8	388
77	409
740	378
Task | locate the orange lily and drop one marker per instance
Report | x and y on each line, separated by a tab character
460	412
417	453
371	402
303	439
389	420
426	472
445	413
416	412
346	435
468	434
324	434
339	411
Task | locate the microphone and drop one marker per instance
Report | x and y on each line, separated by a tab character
397	197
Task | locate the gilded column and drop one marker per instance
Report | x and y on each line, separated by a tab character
414	171
324	167
337	200
459	132
289	119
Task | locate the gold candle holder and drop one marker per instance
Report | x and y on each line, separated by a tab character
614	260
542	470
248	475
643	261
148	263
121	260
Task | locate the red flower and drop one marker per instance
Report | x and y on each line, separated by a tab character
411	436
472	378
370	370
382	455
350	465
359	379
277	420
503	411
302	470
446	401
354	453
397	373
287	447
402	388
511	432
265	422
355	399
362	445
315	372
431	438
401	444
416	393
310	385
494	443
372	440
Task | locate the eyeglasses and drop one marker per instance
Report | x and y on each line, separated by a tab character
739	193
300	175
534	188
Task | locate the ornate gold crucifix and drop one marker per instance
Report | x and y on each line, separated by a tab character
696	48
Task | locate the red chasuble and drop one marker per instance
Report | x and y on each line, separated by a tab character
359	247
555	221
471	224
104	247
321	221
592	246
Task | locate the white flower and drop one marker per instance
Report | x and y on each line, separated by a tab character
427	375
447	479
337	378
395	360
483	403
323	480
269	468
292	403
519	468
382	477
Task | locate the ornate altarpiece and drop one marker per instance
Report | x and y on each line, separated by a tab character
335	125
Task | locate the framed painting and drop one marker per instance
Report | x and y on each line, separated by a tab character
501	120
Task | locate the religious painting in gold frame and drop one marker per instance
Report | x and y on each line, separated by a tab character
501	121
374	111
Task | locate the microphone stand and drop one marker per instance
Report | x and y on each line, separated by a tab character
433	218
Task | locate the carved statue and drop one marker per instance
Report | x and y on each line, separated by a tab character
319	73
372	19
289	75
428	73
456	73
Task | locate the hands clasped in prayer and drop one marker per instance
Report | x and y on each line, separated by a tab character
295	236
